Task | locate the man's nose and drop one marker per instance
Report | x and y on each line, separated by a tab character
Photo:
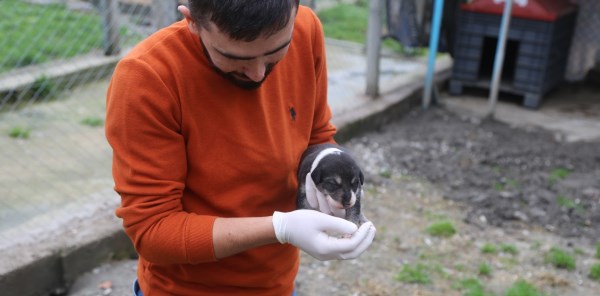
255	70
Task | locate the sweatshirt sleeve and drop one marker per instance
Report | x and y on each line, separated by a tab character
323	130
143	127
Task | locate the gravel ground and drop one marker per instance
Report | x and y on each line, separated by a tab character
520	191
496	184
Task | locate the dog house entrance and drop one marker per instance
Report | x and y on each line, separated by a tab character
486	64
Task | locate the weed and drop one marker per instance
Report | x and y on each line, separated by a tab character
415	274
386	174
558	174
93	121
560	259
595	272
471	287
499	186
485	269
19	132
489	249
514	184
579	251
460	267
509	249
536	245
566	202
443	229
523	288
43	88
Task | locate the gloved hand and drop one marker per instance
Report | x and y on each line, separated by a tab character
307	230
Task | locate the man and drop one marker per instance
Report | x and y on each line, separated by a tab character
207	120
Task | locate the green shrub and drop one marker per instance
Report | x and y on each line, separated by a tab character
485	269
595	272
558	174
93	121
509	249
19	132
522	288
472	287
560	259
443	229
415	274
489	249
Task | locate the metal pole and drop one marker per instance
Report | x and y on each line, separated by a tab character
499	59
164	13
434	40
109	10
373	48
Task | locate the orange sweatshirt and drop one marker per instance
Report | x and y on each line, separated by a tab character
189	146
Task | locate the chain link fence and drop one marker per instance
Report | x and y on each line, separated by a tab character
56	57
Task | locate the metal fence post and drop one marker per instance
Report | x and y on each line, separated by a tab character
109	9
310	3
164	13
373	48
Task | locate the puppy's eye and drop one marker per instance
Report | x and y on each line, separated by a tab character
331	186
355	185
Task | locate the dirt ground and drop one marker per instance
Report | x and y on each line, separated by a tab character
520	191
497	185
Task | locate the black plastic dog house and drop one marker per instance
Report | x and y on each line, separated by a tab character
537	47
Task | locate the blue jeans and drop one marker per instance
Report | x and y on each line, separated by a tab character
138	292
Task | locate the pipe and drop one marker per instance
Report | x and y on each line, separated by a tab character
434	40
499	59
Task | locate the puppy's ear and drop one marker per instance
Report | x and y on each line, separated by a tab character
317	175
361	177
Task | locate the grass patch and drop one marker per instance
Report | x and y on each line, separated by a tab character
472	287
33	34
72	33
509	249
386	174
414	274
558	174
509	184
595	272
93	121
441	229
350	22
560	259
19	132
567	202
489	249
345	22
485	269
523	288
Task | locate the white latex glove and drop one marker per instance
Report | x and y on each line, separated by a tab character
308	230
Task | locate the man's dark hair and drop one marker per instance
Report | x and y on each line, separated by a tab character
244	20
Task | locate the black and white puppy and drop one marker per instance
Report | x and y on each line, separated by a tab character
330	181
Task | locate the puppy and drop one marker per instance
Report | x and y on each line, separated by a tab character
330	181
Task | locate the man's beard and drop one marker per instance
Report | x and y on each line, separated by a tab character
245	82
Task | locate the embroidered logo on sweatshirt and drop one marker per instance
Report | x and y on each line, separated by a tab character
292	113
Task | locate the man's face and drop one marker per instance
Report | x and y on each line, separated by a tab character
246	64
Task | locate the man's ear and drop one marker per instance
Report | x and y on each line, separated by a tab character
192	26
